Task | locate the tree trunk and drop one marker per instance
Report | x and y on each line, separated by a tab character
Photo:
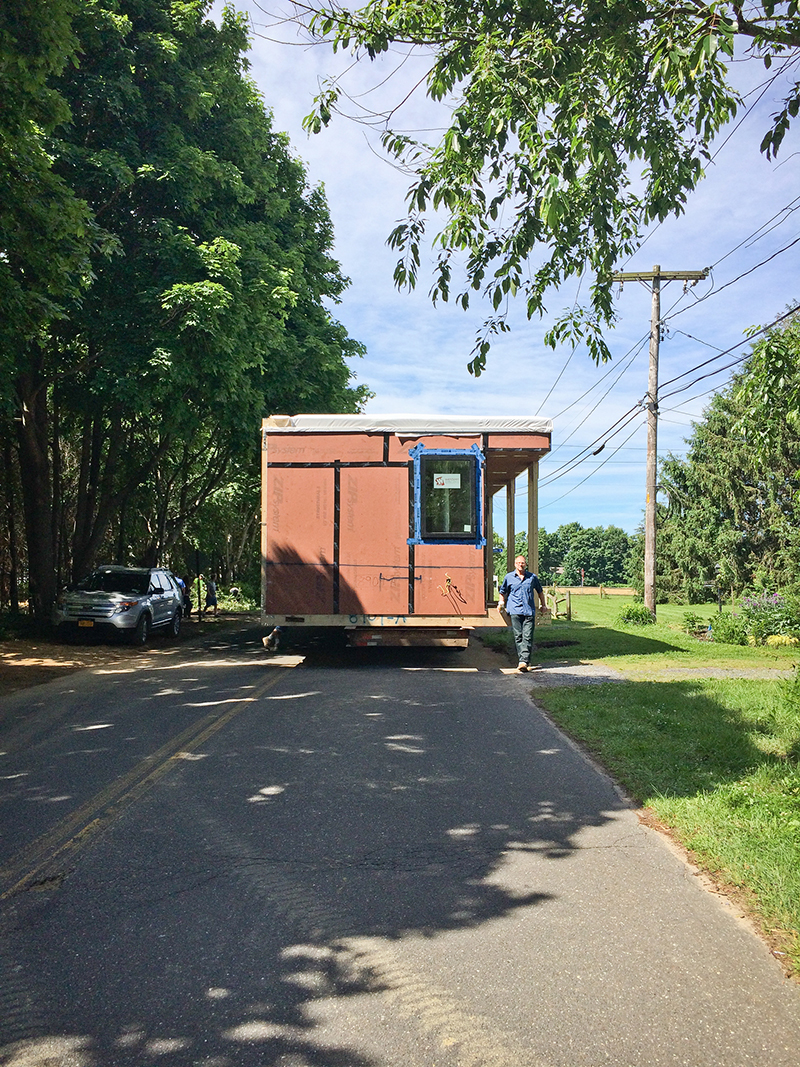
82	501
13	551
99	494
58	499
247	533
33	432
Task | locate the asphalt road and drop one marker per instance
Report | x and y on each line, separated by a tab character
224	858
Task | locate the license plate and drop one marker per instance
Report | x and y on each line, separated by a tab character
85	622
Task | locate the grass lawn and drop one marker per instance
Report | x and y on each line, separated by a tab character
717	759
643	651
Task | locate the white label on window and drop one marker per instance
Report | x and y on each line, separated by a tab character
447	481
467	529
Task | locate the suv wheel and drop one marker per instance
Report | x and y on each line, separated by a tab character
175	624
142	631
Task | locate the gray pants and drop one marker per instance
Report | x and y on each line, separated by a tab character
522	627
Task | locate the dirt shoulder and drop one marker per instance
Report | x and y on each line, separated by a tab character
29	661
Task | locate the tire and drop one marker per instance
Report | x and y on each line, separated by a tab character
142	631
175	624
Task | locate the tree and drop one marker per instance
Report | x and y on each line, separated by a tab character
46	231
772	382
499	557
571	126
211	309
562	541
733	515
46	234
602	553
547	552
596	556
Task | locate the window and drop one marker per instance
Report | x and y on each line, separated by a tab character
448	493
447	490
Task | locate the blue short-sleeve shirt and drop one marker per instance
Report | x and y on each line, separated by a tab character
520	593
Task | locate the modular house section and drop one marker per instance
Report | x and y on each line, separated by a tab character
382	525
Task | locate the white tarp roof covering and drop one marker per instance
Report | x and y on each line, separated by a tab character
408	425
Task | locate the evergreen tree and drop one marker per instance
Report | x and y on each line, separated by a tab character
733	517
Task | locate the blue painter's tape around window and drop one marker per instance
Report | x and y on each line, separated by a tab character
431	526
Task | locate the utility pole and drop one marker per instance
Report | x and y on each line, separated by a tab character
655	276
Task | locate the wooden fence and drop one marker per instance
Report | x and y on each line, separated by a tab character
559	598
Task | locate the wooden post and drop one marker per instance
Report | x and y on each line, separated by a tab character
652	448
510	526
655	277
489	554
533	517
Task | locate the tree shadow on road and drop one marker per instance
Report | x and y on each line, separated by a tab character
274	875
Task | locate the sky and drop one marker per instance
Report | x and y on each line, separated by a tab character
741	221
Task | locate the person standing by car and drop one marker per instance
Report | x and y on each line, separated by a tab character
187	595
211	594
518	597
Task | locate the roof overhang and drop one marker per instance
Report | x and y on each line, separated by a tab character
407	425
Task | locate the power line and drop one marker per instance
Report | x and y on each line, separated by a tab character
727	366
748	110
586	479
633	353
789	208
570	464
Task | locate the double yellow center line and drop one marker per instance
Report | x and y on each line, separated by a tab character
43	863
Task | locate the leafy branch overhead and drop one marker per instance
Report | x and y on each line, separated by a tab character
572	125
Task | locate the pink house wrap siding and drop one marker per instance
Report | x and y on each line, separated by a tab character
338	500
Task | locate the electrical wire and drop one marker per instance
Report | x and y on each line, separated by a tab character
581	419
726	352
634	349
789	209
588	476
748	110
570	465
699	340
630	415
558	379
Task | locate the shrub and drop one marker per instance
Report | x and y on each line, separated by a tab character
729	629
636	615
237	599
692	622
768	614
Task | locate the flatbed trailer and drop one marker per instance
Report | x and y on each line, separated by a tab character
381	526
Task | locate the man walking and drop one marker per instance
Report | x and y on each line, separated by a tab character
517	597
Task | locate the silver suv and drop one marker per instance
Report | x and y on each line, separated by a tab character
126	601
